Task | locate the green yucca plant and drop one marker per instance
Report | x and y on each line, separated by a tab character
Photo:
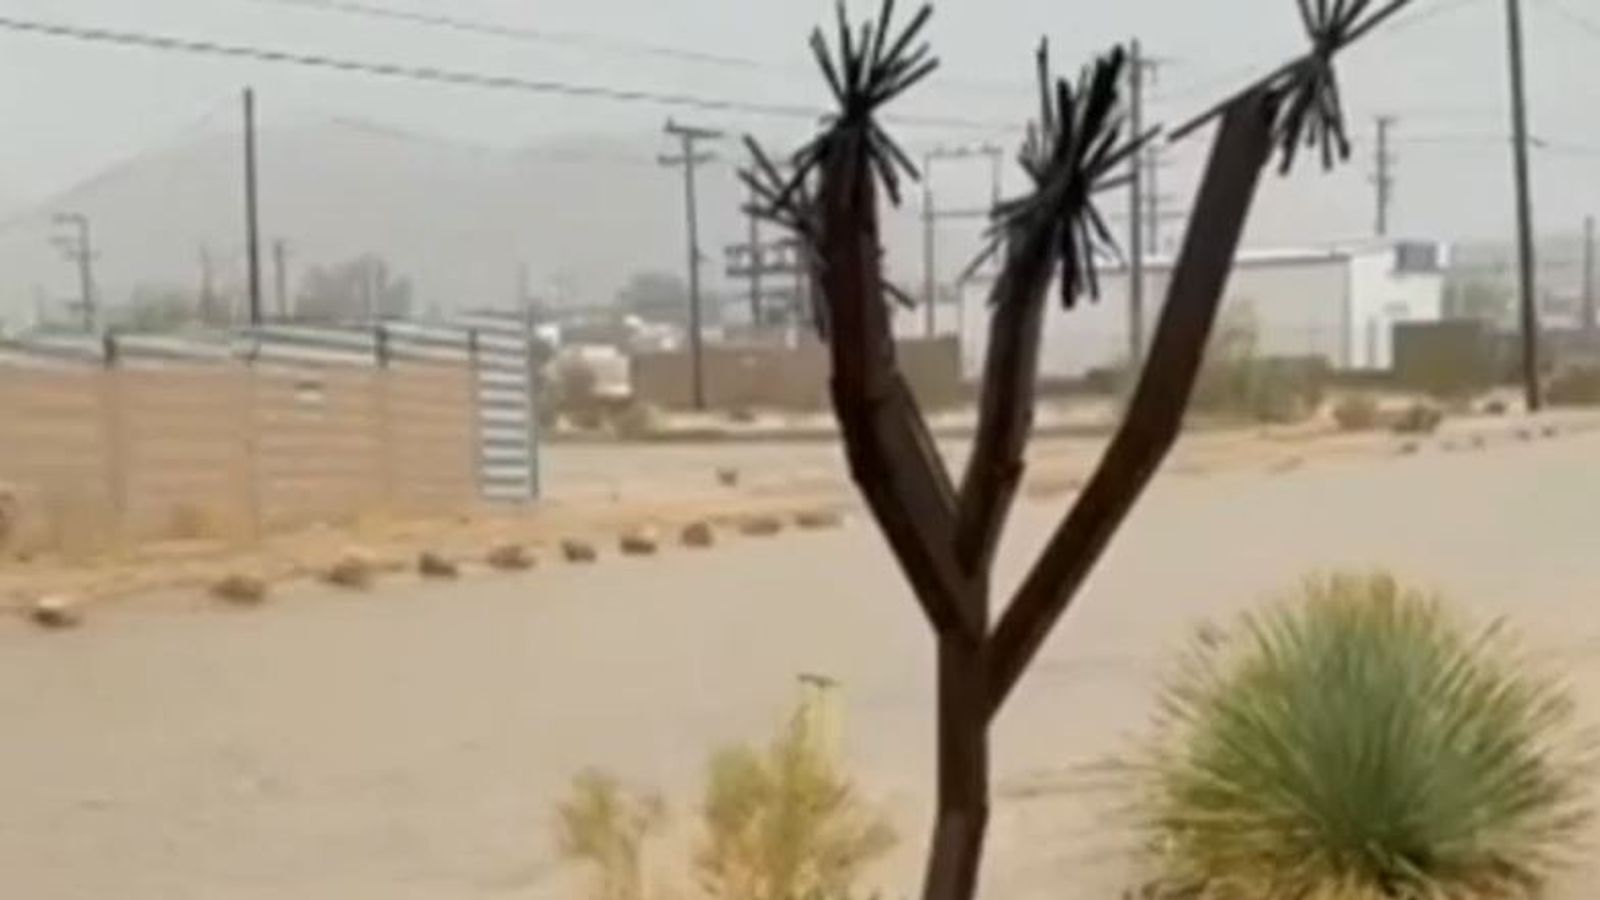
1357	742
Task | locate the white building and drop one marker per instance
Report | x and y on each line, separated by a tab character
1340	304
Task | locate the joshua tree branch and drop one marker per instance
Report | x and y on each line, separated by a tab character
1006	407
892	456
1242	147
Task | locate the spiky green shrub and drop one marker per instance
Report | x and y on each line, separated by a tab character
785	823
605	827
1355	741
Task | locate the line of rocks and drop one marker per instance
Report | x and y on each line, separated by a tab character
358	569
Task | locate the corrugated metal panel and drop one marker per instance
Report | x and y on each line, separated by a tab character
507	427
158	349
53	349
496	344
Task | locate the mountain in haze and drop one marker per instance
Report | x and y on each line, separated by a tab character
576	218
579	216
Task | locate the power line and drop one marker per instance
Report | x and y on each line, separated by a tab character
587	40
1582	22
455	77
1570	148
1426	14
1400	25
515	32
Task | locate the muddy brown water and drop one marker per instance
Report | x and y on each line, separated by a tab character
410	743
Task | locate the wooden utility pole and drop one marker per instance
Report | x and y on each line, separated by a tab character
252	224
689	159
209	311
1383	175
1136	208
1588	283
1526	260
755	263
931	215
1152	190
79	248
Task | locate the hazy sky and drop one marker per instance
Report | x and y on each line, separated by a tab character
72	110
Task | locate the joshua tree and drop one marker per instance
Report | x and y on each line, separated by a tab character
944	535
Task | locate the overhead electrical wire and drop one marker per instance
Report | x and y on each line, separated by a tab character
516	32
1589	26
592	41
445	76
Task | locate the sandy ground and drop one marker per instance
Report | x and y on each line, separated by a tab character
410	743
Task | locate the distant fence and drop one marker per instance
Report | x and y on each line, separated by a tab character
140	436
746	376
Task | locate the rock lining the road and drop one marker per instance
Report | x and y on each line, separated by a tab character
578	551
698	535
639	542
241	589
819	520
511	557
432	564
356	569
56	612
760	526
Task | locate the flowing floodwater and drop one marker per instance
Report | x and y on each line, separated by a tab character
410	743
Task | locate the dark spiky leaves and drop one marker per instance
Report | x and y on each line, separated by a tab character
865	70
1309	111
1073	151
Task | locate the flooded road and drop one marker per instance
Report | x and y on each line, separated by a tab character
410	743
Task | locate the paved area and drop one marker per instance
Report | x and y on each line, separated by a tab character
410	743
